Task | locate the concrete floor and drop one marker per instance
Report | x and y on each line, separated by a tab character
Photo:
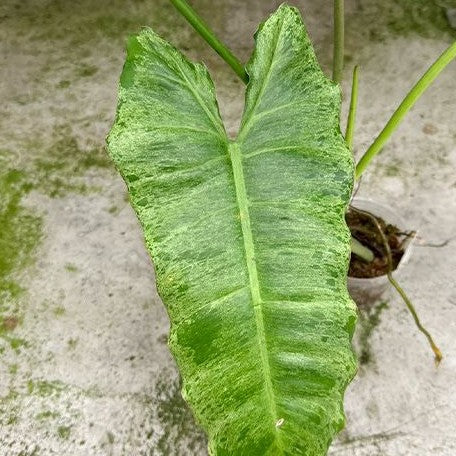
85	369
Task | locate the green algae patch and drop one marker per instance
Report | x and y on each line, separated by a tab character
45	388
71	267
86	70
59	311
369	320
63	84
59	169
8	408
17	343
398	18
21	233
64	432
424	17
72	342
46	415
176	420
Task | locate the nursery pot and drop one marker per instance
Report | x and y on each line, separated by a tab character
365	291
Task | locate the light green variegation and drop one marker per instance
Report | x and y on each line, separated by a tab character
247	236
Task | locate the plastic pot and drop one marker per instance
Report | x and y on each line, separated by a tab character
368	291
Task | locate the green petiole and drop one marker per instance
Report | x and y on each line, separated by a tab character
412	97
203	29
339	33
349	132
360	250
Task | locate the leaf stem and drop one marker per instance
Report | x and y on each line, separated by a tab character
349	132
360	250
203	29
412	97
338	55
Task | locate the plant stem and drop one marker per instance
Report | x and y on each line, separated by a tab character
360	250
357	248
352	112
412	97
338	55
203	29
437	353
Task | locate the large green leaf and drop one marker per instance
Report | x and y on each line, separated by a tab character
247	236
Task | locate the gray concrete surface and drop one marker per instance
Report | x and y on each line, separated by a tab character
85	370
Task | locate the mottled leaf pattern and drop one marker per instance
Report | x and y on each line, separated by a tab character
247	236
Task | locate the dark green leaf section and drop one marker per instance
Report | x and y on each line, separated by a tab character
247	236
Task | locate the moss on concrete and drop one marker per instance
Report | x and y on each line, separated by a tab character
45	388
64	432
46	415
180	431
21	233
59	311
16	343
72	343
71	267
369	320
57	169
424	17
389	18
86	70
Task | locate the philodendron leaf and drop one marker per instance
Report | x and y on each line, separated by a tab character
248	237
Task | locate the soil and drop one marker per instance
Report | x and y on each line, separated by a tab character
363	228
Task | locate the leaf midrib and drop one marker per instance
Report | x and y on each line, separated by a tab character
246	124
243	204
